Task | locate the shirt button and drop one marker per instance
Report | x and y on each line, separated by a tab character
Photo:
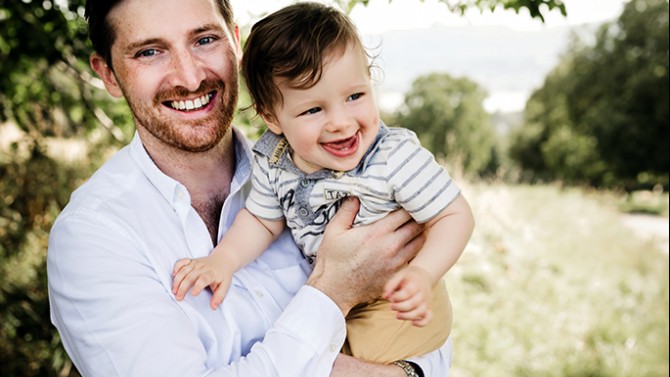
303	212
304	183
259	294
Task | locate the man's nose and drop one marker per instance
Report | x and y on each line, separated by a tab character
187	70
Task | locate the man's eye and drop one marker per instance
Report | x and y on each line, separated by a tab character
205	40
311	111
355	96
147	53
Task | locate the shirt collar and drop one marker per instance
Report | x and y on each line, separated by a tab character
172	190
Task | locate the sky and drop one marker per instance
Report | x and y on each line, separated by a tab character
382	16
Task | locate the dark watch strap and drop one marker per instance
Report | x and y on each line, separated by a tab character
417	368
408	368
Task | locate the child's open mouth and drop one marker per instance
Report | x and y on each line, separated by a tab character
343	147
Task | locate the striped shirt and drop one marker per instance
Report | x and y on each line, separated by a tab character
395	172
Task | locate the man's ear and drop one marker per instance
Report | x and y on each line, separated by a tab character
237	44
271	122
100	67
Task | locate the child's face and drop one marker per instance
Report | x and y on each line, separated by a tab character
332	124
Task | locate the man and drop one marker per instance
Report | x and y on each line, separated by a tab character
171	194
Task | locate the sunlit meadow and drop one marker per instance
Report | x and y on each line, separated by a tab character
554	284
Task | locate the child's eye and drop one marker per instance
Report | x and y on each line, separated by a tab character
311	111
355	96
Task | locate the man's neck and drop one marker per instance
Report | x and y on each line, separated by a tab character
206	175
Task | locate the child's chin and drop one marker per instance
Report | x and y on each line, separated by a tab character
344	167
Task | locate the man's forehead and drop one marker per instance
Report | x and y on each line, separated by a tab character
168	13
134	20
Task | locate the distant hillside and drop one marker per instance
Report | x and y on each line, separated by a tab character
508	63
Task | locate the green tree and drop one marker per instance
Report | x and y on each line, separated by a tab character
547	148
448	115
46	86
536	8
620	95
601	117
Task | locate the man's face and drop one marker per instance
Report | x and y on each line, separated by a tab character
175	62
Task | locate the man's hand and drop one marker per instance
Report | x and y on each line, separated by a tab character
353	264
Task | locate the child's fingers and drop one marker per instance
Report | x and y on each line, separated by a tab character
182	283
406	291
408	304
201	282
180	263
424	321
418	314
393	285
219	293
179	272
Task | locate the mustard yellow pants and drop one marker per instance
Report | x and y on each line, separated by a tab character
375	334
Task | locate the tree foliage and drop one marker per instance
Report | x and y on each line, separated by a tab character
536	8
601	117
448	115
47	88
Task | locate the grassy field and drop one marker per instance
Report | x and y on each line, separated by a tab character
554	284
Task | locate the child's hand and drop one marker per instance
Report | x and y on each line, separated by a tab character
200	273
410	291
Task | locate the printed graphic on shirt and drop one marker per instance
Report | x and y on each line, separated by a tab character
335	194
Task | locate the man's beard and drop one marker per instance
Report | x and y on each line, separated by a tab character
190	135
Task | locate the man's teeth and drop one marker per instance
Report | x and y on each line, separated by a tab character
191	104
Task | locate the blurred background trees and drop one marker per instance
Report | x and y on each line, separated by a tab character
600	120
601	117
448	115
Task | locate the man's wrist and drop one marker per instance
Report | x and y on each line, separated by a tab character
319	281
411	369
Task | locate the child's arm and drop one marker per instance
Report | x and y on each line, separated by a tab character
246	239
448	233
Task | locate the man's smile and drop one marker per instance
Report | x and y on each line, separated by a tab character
191	104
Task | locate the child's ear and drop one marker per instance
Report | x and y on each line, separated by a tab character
272	123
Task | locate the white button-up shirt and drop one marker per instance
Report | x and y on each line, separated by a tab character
110	260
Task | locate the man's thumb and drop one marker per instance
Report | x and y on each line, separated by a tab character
346	215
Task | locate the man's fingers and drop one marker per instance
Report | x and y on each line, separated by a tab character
346	214
396	219
411	248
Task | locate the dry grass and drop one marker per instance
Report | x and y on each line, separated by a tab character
554	284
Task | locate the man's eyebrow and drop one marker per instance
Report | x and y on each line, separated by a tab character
139	44
145	42
207	27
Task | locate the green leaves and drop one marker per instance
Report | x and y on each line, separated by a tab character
603	111
448	115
